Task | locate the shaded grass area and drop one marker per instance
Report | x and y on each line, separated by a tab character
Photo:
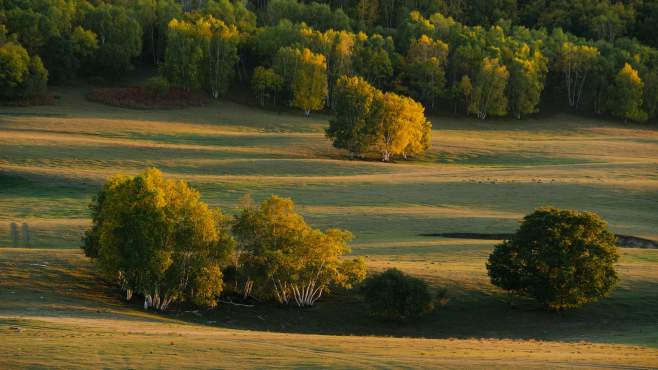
74	318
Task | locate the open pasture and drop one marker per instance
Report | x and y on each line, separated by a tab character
478	177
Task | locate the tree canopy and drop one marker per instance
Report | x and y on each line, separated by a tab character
284	258
561	258
155	237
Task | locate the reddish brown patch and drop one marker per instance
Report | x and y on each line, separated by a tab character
136	97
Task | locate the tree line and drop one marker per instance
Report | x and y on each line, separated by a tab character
154	238
482	58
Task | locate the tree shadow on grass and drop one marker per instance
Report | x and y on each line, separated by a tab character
628	317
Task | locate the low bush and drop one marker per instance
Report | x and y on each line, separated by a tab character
395	296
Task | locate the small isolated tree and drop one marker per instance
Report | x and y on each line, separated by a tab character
281	257
156	237
266	84
396	296
625	99
561	258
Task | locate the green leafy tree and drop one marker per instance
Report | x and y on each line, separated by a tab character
266	84
221	54
526	83
283	258
357	105
625	99
184	55
488	97
395	296
119	38
426	61
154	17
155	237
21	76
575	63
561	258
372	58
14	67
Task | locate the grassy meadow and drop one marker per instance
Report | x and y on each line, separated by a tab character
479	177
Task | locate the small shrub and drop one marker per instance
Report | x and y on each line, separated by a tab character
396	296
156	87
561	258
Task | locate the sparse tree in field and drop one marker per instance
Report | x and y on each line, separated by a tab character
488	97
395	296
561	258
575	63
283	258
526	83
426	61
266	84
357	106
625	98
309	87
157	238
402	128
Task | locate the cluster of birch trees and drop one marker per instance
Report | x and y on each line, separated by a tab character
156	239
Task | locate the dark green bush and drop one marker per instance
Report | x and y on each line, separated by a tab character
396	296
561	258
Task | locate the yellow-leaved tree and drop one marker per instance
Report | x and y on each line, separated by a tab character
402	128
309	86
282	257
155	237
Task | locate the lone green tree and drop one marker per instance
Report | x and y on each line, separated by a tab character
561	258
155	237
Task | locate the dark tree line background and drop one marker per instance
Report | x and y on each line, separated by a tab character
480	57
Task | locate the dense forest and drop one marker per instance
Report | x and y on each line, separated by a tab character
485	58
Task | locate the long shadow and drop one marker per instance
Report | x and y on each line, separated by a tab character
625	318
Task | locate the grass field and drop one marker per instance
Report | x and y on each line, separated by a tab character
478	177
